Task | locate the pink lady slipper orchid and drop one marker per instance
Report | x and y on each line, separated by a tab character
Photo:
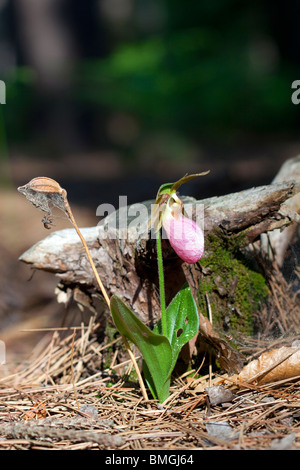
185	236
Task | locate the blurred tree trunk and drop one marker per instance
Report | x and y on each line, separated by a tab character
53	36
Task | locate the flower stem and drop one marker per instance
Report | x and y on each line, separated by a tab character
71	217
161	283
103	290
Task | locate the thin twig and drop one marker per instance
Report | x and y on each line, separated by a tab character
210	319
70	214
72	368
103	290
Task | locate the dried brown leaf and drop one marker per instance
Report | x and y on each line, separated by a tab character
273	366
44	193
229	358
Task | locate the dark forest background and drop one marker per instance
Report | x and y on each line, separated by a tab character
115	97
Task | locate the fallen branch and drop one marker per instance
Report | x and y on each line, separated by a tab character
128	264
125	253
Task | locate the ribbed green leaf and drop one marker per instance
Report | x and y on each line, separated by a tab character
182	321
155	348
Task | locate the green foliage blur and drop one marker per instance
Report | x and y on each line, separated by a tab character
211	69
192	80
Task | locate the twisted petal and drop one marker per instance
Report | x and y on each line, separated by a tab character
185	236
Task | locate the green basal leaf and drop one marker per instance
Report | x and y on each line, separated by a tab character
182	321
162	393
155	348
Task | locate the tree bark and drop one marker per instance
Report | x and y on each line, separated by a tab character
127	263
277	242
125	255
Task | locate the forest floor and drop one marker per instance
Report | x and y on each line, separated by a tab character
61	388
64	399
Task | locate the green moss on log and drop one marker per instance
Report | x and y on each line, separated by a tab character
235	290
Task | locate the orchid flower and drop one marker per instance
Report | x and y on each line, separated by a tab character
185	236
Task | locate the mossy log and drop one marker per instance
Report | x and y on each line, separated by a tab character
127	264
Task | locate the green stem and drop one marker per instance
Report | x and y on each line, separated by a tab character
161	283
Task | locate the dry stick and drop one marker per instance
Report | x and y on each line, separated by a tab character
37	192
103	290
72	367
57	328
136	368
284	329
210	319
47	375
70	214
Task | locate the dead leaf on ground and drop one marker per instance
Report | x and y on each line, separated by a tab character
38	411
272	366
229	358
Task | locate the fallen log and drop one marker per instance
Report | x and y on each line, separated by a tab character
124	252
277	242
127	264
